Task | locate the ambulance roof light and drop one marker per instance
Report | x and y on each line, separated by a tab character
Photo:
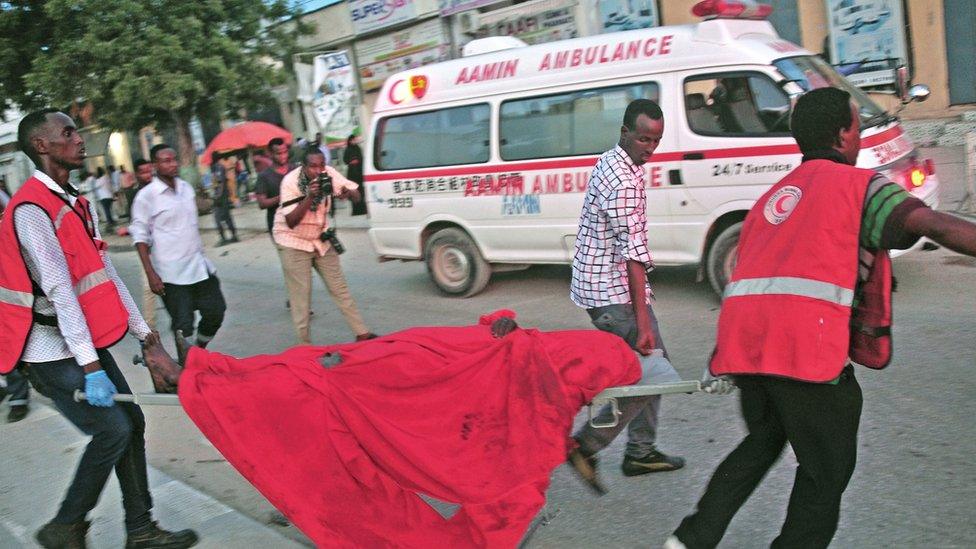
731	9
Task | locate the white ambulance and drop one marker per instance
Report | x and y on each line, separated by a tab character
480	163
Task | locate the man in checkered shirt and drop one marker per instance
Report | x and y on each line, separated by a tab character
610	281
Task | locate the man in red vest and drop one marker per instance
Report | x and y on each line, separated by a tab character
810	294
62	305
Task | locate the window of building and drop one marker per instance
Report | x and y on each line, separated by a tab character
446	137
575	123
736	104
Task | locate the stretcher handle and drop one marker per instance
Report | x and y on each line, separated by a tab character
151	399
610	395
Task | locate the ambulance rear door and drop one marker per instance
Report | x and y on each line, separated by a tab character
734	143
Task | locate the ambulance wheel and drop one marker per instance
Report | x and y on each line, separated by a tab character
455	264
722	256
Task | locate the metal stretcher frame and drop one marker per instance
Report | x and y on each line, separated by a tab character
611	394
607	396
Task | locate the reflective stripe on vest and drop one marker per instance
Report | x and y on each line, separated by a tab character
63	212
790	285
13	297
90	281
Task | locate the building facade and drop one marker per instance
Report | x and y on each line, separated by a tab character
934	38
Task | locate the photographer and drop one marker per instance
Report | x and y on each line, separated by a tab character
305	240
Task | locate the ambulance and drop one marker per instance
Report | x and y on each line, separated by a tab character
479	164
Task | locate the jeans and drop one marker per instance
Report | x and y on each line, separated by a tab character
820	422
182	300
638	414
118	441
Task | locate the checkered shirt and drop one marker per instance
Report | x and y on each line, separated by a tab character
612	230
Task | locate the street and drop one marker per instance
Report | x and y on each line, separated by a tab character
914	484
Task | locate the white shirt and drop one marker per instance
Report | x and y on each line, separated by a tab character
166	220
326	153
47	266
103	187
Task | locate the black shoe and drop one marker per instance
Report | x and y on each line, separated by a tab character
223	242
234	240
63	536
154	537
17	413
652	462
585	468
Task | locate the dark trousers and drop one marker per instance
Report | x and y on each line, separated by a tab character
130	195
222	217
18	388
182	301
118	441
820	422
107	208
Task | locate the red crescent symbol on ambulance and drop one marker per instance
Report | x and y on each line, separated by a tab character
392	94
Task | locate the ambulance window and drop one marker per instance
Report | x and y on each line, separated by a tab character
436	138
736	104
575	123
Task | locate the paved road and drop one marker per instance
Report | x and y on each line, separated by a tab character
914	484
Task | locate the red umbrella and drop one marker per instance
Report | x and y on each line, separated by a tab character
244	135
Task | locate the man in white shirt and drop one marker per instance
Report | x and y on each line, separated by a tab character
324	147
61	353
105	195
166	234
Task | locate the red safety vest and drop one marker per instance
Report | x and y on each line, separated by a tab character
106	316
787	309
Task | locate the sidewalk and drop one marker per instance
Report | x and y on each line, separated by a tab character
39	455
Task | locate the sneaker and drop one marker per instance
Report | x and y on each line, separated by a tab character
154	537
17	413
585	468
66	536
367	335
222	242
234	240
652	462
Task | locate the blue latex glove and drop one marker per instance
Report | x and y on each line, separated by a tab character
99	389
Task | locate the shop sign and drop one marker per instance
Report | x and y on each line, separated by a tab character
393	52
534	28
867	39
624	15
370	15
450	7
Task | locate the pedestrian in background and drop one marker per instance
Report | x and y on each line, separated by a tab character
105	196
268	188
52	250
222	199
810	293
352	157
165	232
127	181
143	177
610	281
16	383
301	231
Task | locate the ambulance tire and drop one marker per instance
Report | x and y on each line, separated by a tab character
455	264
722	256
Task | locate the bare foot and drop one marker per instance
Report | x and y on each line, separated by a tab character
164	370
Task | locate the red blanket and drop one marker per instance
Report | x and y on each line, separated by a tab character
453	413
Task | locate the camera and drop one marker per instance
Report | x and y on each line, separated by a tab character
325	190
329	235
325	183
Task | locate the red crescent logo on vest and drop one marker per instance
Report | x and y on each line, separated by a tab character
781	204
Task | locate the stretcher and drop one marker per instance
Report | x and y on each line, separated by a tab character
608	396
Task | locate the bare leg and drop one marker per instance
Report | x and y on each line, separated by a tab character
165	371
